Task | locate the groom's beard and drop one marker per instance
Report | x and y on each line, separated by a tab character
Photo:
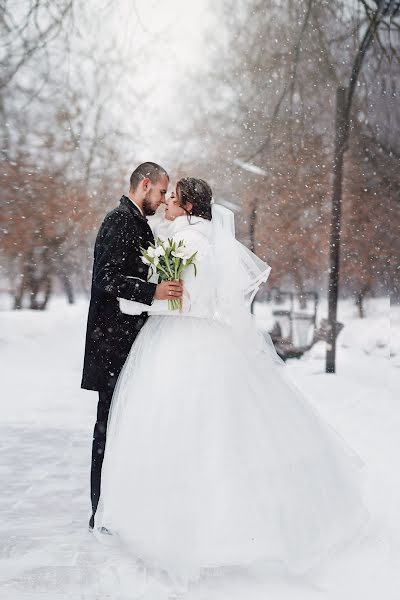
147	207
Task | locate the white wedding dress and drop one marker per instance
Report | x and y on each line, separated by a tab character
213	457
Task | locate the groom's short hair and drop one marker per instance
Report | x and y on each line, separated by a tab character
147	169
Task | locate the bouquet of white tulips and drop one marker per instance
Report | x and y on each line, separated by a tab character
169	259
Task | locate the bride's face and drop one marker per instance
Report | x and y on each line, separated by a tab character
173	208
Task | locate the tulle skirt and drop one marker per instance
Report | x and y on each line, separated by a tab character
215	459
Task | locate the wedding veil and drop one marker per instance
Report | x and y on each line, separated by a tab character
238	274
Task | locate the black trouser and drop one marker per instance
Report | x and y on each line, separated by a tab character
99	444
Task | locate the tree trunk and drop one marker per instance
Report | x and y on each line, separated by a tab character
334	248
47	293
67	284
360	298
343	123
360	304
18	299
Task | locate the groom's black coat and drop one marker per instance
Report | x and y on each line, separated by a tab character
118	272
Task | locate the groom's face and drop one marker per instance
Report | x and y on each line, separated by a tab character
155	195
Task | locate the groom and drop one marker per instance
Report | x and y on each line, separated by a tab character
118	272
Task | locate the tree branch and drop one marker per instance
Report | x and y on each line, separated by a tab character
289	85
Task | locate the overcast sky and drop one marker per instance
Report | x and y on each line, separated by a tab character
168	44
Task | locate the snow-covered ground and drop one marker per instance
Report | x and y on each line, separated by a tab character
46	551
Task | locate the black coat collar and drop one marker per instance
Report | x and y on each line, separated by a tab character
134	209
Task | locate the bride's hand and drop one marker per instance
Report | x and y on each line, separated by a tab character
167	290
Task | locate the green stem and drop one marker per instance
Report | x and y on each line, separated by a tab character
174	304
159	268
169	268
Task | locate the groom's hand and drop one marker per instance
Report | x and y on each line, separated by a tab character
168	289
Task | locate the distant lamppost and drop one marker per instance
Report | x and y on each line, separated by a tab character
252	232
252	224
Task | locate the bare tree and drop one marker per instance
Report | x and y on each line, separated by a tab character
270	99
376	16
62	147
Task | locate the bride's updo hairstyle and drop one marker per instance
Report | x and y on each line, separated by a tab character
198	193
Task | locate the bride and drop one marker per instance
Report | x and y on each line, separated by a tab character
213	457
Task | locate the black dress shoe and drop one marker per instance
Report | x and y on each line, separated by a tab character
91	522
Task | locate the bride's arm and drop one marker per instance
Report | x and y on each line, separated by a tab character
129	307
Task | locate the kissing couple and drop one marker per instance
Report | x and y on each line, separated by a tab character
213	457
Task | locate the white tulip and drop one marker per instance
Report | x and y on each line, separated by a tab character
159	251
151	252
182	252
155	252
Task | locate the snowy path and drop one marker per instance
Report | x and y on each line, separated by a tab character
46	551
